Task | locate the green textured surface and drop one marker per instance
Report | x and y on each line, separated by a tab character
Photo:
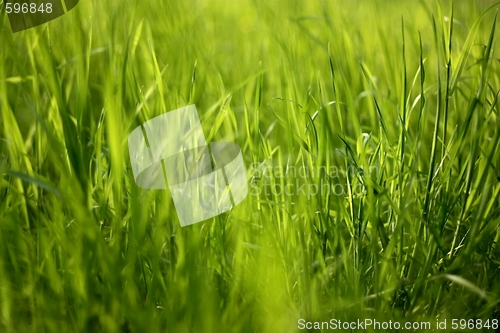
70	4
83	249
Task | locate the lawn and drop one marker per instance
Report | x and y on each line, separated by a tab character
370	134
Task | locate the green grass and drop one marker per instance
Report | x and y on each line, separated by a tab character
402	102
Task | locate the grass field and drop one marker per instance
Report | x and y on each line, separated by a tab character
393	104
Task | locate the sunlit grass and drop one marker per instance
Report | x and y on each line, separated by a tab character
399	102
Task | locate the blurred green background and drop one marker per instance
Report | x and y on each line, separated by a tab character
405	93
